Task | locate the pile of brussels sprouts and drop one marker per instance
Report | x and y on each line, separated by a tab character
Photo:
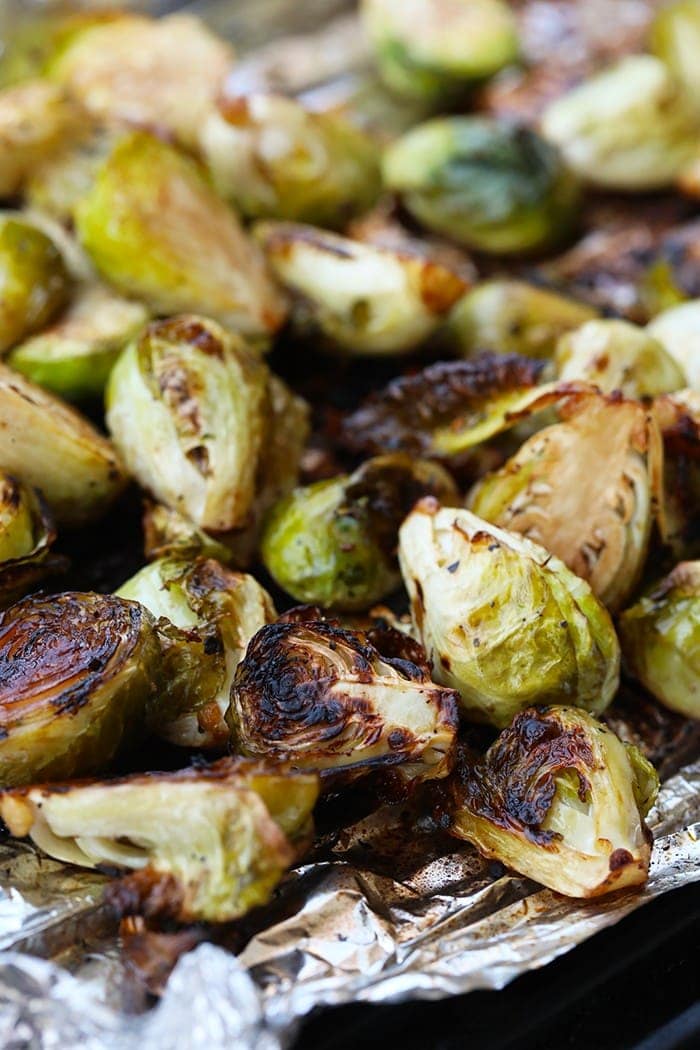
520	482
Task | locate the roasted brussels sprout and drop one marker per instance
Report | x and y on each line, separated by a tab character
506	316
629	127
333	543
35	117
168	534
74	356
660	639
678	417
437	49
504	621
678	331
324	698
156	230
185	408
79	674
561	800
674	37
57	185
26	535
586	488
275	159
364	298
48	445
617	355
222	610
34	281
492	186
161	74
206	843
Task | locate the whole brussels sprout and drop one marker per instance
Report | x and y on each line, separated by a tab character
80	674
365	299
674	37
185	408
26	535
586	488
218	612
206	843
35	117
627	128
504	621
52	447
333	543
678	331
617	355
436	49
75	355
275	159
493	186
561	800
324	698
660	639
163	74
506	316
34	281
155	229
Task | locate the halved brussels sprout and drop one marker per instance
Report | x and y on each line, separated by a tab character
46	444
26	535
490	185
324	698
586	488
364	298
80	673
34	281
617	355
204	844
504	621
506	316
275	159
561	800
333	543
168	534
629	127
437	49
224	609
57	185
678	416
185	408
674	37
155	229
678	331
74	356
162	74
660	638
35	117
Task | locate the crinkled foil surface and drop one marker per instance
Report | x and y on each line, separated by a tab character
391	909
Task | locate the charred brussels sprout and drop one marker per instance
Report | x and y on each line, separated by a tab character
617	355
561	800
364	299
333	543
505	316
26	535
492	186
74	356
34	281
678	331
218	612
274	159
162	74
156	230
328	699
434	50
586	488
660	638
46	444
184	405
627	128
79	674
675	38
678	417
503	621
203	844
35	117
